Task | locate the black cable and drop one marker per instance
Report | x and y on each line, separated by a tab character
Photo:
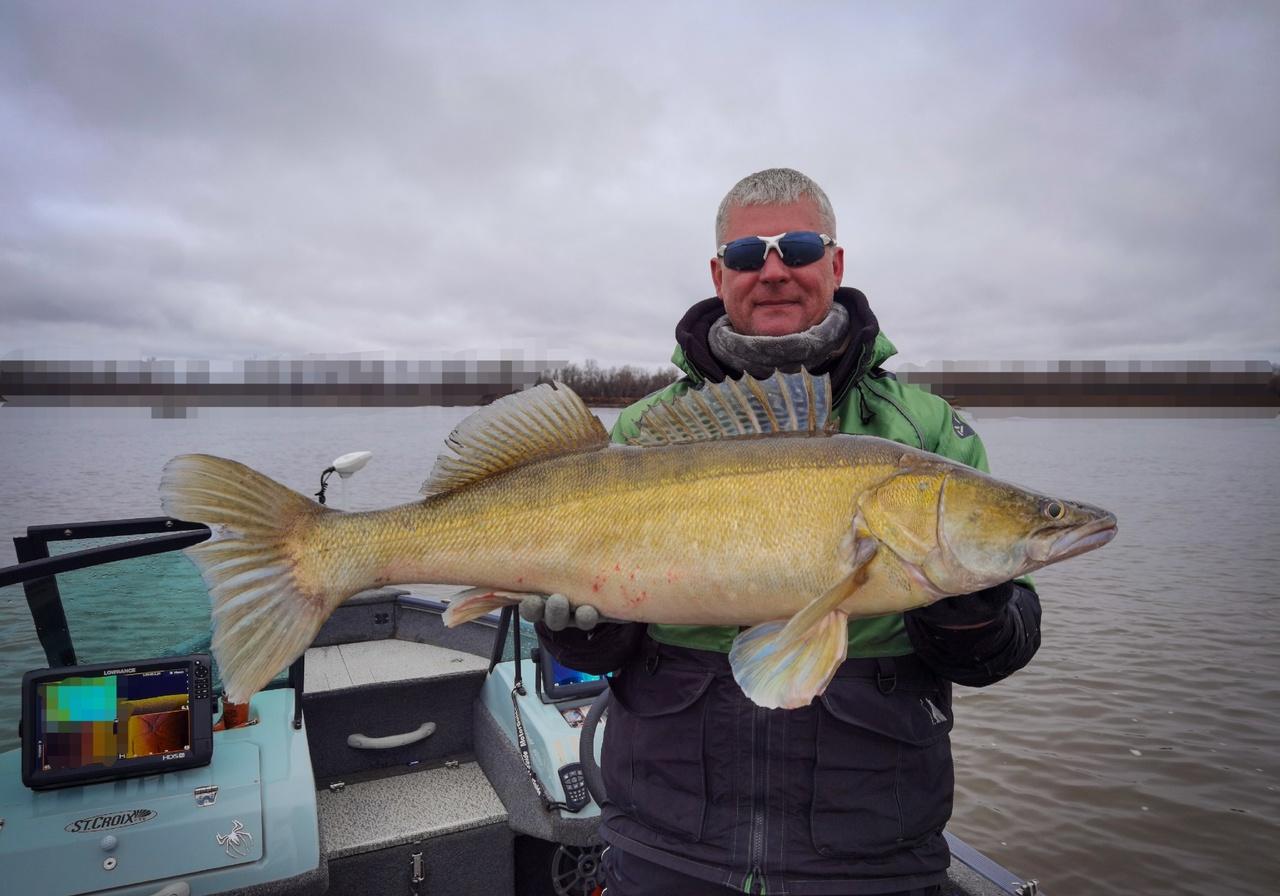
500	639
324	482
515	637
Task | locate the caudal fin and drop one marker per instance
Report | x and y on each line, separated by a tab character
265	613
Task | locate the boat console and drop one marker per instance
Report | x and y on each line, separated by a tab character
240	814
547	722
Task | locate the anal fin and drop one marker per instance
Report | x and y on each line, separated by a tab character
784	665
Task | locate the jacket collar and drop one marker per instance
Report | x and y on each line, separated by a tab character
868	348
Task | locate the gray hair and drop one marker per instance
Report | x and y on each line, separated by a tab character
775	186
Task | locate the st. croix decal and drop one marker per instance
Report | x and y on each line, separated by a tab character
110	820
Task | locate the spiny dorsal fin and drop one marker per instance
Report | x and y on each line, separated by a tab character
542	422
784	404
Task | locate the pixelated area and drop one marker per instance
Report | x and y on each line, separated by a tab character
178	388
1166	386
101	720
171	388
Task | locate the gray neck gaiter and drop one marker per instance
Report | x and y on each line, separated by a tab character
760	356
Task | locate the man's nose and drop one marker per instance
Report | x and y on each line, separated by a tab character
774	270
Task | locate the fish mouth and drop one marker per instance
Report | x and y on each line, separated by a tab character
1083	539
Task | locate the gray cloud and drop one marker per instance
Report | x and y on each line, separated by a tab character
1081	180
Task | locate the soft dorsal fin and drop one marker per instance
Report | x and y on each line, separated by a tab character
542	422
784	404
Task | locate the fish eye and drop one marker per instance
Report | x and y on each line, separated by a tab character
1054	510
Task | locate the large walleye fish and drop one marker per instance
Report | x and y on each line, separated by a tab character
737	505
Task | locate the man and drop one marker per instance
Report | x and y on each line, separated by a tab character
709	793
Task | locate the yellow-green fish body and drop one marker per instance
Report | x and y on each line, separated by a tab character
706	533
741	509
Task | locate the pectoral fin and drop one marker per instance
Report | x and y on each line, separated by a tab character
474	603
786	664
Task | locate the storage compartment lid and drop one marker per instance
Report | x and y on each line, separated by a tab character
156	828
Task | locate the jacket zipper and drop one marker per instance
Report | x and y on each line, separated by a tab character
759	759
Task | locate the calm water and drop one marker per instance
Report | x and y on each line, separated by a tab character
1137	754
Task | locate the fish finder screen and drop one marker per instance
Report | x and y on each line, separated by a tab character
557	683
85	724
102	719
563	675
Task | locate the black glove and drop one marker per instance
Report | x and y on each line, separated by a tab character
977	656
967	610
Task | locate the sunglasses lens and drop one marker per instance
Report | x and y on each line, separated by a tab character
799	249
746	254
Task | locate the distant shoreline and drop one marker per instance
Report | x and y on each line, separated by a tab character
166	387
1169	386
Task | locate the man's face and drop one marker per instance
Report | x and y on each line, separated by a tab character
777	300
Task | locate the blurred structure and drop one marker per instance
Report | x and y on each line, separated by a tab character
171	387
1102	384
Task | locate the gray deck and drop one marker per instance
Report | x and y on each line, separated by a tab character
390	811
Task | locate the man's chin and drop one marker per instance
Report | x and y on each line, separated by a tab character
777	320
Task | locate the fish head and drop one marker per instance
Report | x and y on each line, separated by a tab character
990	531
955	530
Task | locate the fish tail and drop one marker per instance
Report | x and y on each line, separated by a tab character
267	605
782	665
475	603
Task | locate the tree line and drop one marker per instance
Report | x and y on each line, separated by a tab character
610	385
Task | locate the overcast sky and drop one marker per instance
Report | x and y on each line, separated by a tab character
1012	181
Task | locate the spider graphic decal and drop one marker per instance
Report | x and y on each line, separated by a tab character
237	842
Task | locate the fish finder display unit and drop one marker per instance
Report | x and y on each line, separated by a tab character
557	683
82	724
